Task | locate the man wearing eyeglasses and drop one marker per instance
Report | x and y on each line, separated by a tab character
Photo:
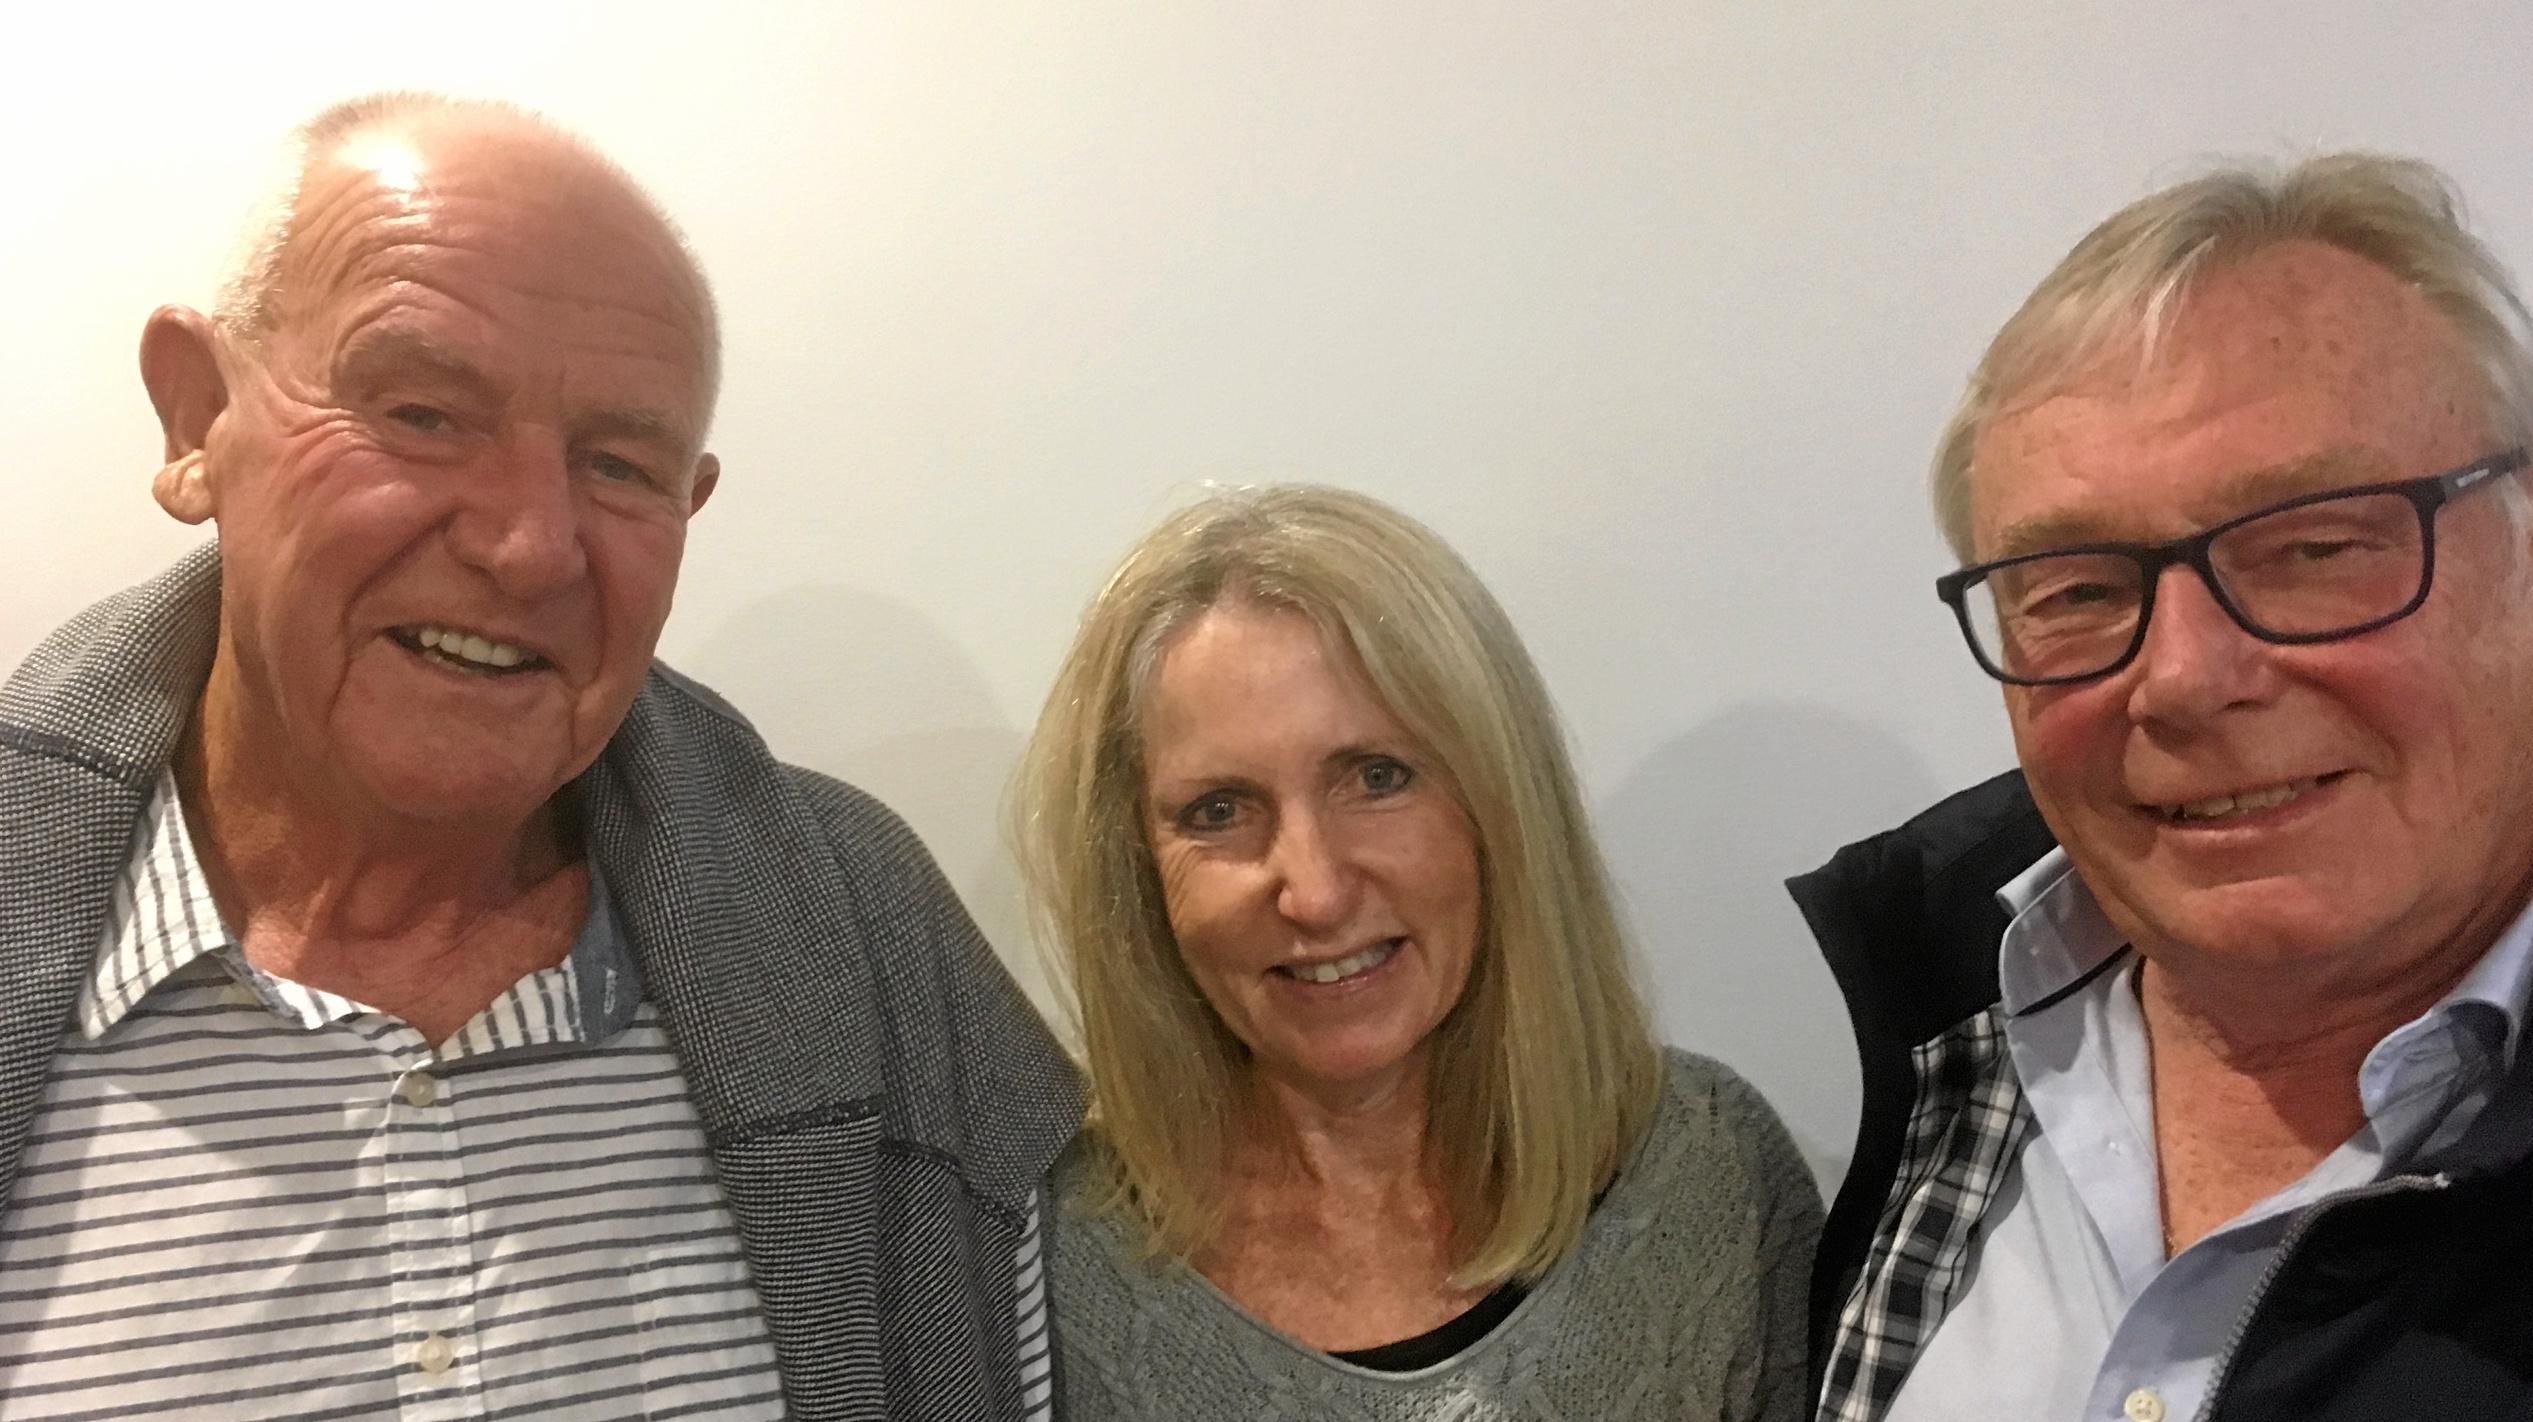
2192	1081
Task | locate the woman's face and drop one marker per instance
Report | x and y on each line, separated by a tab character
1320	877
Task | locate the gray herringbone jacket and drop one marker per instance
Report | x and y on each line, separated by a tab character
880	1101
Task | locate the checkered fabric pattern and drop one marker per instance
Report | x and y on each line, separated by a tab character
1963	1137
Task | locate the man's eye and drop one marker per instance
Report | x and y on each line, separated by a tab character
2079	595
420	417
617	468
1386	777
2066	598
2319	550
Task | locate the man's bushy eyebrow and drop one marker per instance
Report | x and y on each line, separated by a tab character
649	426
389	349
2236	493
384	349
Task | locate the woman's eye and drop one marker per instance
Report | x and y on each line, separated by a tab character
1212	812
1384	777
419	417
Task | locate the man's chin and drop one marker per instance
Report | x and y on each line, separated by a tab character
488	796
2278	922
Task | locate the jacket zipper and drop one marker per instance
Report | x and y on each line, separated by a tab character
2296	1232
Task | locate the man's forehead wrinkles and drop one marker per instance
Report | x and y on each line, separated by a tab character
435	270
486	218
408	305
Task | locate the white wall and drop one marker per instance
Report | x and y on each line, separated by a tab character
1652	309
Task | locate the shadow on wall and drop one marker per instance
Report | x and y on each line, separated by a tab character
1701	838
871	691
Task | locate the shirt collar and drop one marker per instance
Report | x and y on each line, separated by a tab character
2057	937
2502	979
2059	934
163	920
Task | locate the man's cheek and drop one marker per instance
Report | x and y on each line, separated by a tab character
2051	747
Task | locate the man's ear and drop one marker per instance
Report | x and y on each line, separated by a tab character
707	475
180	363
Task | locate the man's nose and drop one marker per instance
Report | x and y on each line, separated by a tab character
520	522
1315	885
2197	660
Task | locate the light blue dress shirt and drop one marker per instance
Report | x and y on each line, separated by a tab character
2072	1310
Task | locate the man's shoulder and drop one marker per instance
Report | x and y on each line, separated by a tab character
111	689
1908	919
721	741
779	896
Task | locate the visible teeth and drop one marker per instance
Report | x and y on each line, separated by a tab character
469	647
1339	969
2220	806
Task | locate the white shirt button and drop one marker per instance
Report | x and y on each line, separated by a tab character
418	1089
434	1354
2144	1405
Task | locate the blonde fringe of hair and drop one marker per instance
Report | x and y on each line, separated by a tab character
1545	1073
2130	278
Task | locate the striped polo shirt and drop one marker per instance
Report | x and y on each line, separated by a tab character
243	1197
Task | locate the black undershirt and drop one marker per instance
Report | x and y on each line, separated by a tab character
1426	1349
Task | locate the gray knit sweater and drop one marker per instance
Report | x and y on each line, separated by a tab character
1684	1301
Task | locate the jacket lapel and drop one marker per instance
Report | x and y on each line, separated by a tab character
65	831
86	724
783	1065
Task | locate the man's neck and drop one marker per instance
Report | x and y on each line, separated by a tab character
428	922
2255	1074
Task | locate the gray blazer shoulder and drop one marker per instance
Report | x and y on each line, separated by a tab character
879	1100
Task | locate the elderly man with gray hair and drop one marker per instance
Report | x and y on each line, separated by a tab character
415	1002
2194	1077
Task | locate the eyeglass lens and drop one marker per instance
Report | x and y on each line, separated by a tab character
2307	571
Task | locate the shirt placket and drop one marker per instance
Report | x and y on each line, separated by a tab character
439	1364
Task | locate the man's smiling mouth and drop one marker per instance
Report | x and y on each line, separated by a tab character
2241	802
467	651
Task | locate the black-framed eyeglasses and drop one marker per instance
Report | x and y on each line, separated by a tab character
2315	568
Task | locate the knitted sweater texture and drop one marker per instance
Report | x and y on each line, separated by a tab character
1683	1301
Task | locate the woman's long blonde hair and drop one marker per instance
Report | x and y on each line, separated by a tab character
1545	1073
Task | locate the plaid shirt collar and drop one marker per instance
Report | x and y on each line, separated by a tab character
1969	1121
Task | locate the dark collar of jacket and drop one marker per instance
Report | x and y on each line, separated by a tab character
1910	925
861	1065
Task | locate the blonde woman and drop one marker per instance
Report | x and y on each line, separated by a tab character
1378	1128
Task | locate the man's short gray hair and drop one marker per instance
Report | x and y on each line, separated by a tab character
2130	277
247	306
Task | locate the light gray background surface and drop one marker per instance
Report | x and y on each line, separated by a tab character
1652	309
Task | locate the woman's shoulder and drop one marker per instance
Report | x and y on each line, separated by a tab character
1082	1190
1713	1121
1697	1083
1096	1251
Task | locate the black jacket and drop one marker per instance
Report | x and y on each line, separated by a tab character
2409	1303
